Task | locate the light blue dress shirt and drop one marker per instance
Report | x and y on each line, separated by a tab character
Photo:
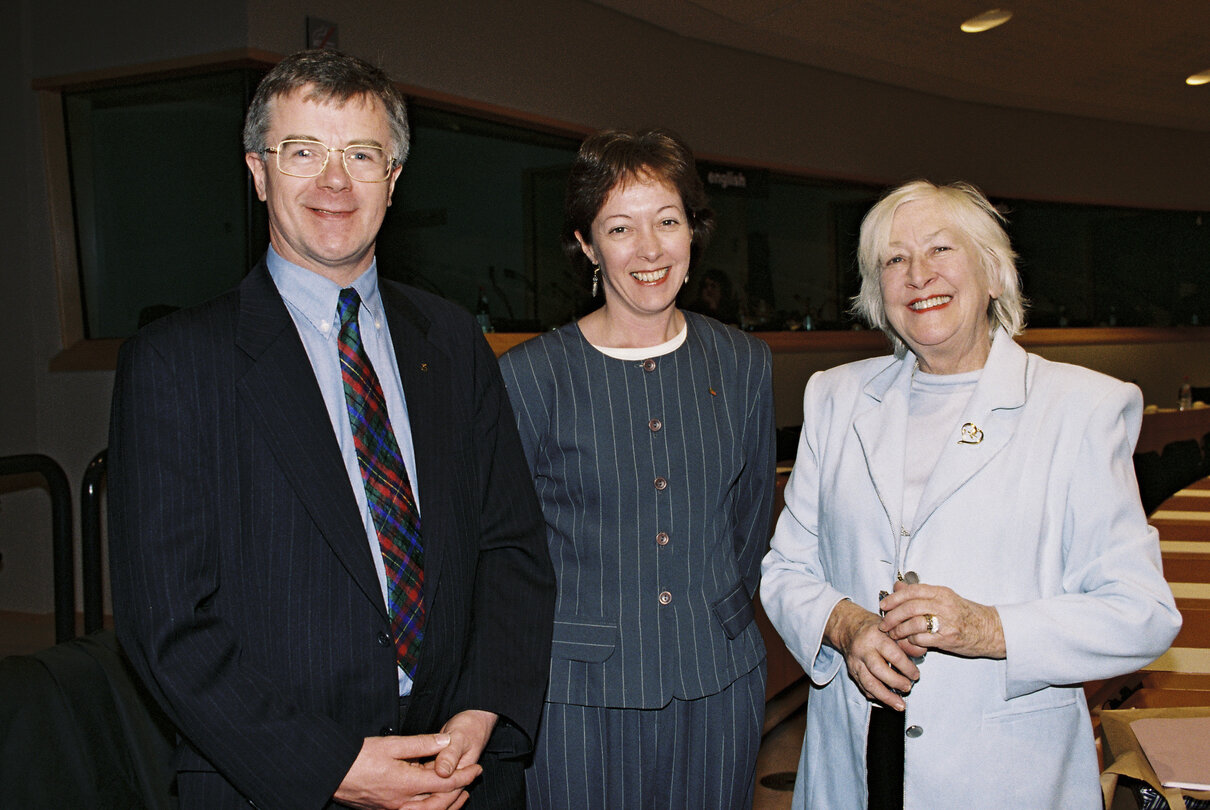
311	300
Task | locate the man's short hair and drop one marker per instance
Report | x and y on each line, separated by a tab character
332	76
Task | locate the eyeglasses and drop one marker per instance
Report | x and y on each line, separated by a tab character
365	164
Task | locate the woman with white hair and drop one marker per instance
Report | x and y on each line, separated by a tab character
963	533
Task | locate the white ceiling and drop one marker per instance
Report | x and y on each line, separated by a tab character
1120	60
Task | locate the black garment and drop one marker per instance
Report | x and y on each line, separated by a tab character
77	729
884	759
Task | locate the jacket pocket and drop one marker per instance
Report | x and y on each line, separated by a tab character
1033	705
734	611
584	639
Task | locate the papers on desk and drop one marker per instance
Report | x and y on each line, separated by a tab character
1178	749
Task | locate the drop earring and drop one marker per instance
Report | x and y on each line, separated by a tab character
596	279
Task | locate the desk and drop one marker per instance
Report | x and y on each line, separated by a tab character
1181	676
1184	518
1183	522
1166	426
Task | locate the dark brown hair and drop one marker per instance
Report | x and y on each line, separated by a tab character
615	156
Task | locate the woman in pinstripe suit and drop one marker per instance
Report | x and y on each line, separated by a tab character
649	432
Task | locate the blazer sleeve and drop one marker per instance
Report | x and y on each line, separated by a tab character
757	484
170	502
1116	613
794	591
527	375
508	655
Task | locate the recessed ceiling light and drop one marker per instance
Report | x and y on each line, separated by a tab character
987	20
1199	78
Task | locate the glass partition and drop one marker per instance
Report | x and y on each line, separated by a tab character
166	216
164	211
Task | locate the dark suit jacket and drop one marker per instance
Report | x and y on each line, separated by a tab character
244	588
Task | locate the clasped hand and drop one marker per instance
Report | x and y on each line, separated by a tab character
962	627
420	772
878	651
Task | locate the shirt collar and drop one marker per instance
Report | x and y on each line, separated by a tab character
315	297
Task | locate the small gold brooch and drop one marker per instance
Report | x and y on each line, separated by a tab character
424	366
971	434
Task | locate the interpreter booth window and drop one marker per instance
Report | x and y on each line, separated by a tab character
478	212
476	218
1099	266
783	251
165	214
785	255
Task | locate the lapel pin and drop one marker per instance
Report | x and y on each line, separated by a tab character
424	366
713	393
971	434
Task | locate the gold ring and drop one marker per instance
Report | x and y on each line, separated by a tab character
932	623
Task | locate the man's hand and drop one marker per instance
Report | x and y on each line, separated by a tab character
468	732
398	772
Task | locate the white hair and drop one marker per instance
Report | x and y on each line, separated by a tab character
976	218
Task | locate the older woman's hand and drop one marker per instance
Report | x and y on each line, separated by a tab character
935	617
881	668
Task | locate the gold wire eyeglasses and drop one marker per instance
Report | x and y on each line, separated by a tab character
364	163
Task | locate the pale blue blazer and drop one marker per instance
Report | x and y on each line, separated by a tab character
1041	519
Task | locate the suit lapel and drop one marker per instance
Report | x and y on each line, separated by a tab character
281	390
882	431
993	414
424	371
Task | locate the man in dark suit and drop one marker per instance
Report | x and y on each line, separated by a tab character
328	562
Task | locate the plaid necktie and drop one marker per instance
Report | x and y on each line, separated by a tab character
388	491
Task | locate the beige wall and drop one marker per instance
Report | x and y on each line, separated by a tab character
573	61
565	60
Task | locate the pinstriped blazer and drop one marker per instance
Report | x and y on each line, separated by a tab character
244	589
656	480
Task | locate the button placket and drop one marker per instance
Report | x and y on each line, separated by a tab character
655	425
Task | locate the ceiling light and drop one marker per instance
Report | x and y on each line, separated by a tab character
987	20
1199	78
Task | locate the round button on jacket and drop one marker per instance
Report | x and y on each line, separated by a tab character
648	365
655	425
384	640
661	483
914	731
665	597
662	538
